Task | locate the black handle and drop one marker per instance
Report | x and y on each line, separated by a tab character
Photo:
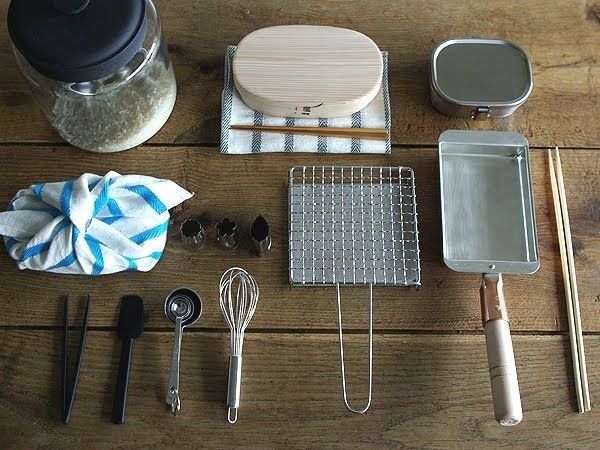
118	414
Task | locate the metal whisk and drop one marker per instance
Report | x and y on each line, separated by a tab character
238	292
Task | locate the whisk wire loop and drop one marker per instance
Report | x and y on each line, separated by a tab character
239	309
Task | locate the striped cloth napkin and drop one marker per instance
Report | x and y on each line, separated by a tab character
234	111
93	225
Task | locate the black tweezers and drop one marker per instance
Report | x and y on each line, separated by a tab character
68	393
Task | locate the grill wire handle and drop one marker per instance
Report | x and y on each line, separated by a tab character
342	368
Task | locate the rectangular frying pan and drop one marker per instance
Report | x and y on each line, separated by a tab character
488	226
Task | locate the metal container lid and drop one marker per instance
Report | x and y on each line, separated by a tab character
77	40
473	72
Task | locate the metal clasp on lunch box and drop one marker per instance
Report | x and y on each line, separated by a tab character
480	111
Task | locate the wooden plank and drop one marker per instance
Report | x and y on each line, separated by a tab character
241	187
429	391
560	36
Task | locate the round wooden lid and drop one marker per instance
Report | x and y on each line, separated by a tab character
307	71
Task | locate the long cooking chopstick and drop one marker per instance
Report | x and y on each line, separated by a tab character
378	134
567	284
574	292
564	215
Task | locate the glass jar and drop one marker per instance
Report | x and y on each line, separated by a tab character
110	93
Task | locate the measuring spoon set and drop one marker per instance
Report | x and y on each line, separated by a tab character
183	307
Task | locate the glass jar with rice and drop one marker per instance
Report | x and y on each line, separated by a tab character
99	69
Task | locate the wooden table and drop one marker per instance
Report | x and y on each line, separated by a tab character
431	386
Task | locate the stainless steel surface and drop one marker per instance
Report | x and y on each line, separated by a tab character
479	78
238	292
353	225
260	234
481	112
227	234
343	365
234	382
173	398
183	307
192	233
488	221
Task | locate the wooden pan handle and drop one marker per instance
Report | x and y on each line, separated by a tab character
501	358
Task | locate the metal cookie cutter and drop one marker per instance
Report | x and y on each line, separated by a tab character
261	236
193	235
227	234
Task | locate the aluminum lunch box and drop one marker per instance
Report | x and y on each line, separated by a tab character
479	78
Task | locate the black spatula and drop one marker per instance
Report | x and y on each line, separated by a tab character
131	326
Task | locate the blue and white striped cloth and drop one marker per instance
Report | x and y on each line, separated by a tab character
93	225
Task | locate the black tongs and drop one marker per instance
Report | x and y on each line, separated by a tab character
68	391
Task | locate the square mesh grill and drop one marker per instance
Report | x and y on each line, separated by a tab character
353	225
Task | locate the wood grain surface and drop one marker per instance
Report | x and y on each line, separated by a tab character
278	70
431	382
561	37
430	391
242	187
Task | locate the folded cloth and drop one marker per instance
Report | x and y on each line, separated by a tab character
93	225
235	112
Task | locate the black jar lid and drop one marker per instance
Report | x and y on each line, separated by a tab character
77	40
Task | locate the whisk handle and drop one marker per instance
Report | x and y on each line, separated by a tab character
234	381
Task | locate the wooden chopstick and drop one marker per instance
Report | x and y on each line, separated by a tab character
378	134
567	284
575	294
568	265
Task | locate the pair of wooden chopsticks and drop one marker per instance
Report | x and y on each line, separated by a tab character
568	268
377	134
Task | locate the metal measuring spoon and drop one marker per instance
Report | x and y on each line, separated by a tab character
182	307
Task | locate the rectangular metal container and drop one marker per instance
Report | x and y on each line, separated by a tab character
488	220
479	78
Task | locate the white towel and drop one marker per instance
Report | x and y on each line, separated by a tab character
234	111
93	225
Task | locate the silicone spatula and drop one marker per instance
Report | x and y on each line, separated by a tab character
131	326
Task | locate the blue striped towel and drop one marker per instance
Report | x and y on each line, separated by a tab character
234	111
93	225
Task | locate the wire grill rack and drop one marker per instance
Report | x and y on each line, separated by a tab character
353	225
